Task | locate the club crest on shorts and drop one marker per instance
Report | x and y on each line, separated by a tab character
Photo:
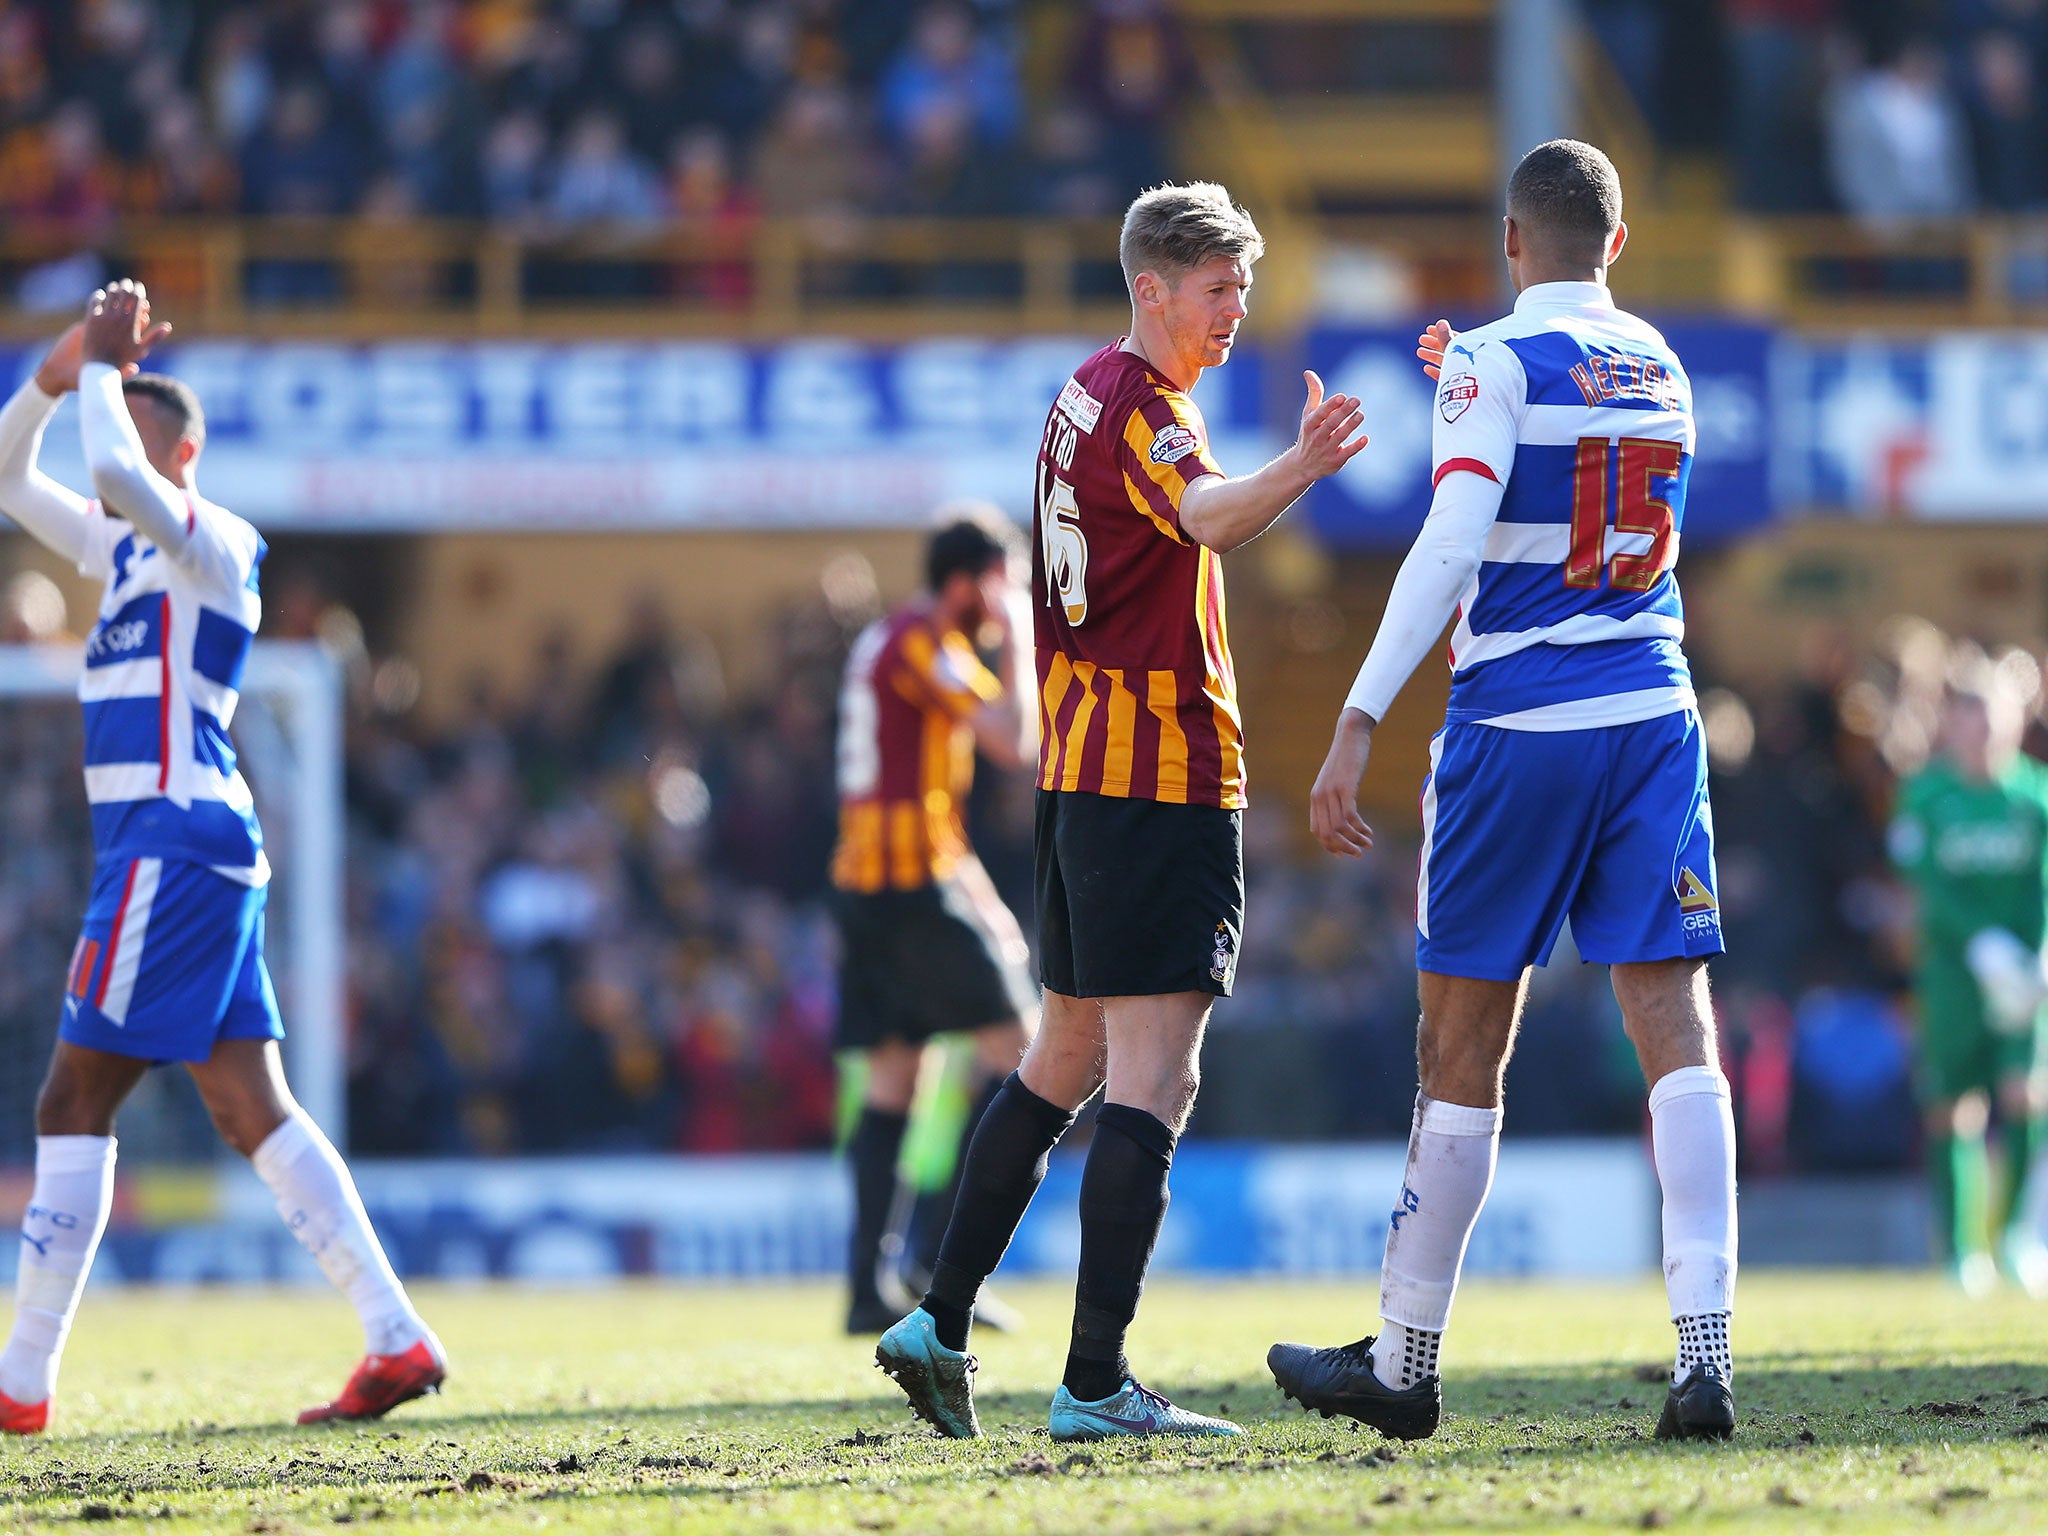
1224	959
1457	395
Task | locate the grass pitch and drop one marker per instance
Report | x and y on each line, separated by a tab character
1870	1403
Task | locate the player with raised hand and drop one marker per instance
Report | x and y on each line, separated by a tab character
1568	782
1141	790
926	945
169	965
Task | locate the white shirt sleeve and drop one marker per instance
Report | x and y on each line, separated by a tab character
1479	403
52	514
128	487
1443	561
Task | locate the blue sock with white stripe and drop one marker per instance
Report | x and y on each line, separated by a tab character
60	1232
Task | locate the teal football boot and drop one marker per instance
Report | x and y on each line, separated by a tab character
1134	1410
938	1381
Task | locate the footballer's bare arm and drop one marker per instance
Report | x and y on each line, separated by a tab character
1006	729
1224	512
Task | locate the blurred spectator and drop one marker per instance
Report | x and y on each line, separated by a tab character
709	202
514	169
1777	54
2003	45
1896	145
599	180
811	162
650	101
301	163
950	68
184	171
1130	67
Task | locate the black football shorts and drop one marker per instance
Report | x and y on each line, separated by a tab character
919	963
1137	898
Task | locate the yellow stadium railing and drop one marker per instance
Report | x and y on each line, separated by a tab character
886	277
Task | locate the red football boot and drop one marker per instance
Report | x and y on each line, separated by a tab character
23	1418
382	1382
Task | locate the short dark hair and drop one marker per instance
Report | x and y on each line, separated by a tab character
1566	196
969	541
174	398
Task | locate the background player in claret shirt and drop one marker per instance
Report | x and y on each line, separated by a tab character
1569	781
169	966
1971	836
1140	869
927	946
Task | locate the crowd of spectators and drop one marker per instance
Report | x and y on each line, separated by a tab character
592	917
549	117
1889	111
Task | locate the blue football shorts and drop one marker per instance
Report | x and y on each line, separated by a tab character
1609	827
169	964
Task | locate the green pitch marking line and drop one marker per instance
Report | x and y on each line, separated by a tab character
1871	1403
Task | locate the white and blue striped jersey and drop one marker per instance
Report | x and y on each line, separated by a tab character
1583	416
163	667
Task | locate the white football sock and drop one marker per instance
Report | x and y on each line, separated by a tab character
1692	1133
60	1232
1451	1152
318	1201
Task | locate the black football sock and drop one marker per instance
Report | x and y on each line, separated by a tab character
1005	1165
936	1208
1123	1201
872	1153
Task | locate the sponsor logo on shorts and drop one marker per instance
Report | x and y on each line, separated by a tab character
1457	395
1078	406
1172	444
1693	895
1223	960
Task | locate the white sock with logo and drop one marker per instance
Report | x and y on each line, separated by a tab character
60	1232
1451	1152
318	1201
1692	1134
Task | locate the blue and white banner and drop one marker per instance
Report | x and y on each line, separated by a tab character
1382	498
432	436
1952	427
1557	1208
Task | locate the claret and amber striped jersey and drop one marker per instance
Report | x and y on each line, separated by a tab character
1137	697
906	752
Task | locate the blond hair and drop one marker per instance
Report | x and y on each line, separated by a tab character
1173	229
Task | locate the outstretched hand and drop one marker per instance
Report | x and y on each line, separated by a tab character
117	327
1431	345
1325	444
1333	814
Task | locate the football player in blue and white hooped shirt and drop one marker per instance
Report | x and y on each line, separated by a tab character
1568	782
169	965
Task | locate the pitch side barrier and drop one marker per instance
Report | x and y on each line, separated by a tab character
421	437
1558	1208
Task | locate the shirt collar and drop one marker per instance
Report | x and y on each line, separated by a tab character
1564	295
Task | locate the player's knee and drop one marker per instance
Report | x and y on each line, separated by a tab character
66	1107
892	1076
245	1125
1001	1047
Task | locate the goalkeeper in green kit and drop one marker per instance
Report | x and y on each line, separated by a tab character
1971	838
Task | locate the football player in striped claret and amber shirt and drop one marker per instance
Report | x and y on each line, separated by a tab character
927	946
1141	791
